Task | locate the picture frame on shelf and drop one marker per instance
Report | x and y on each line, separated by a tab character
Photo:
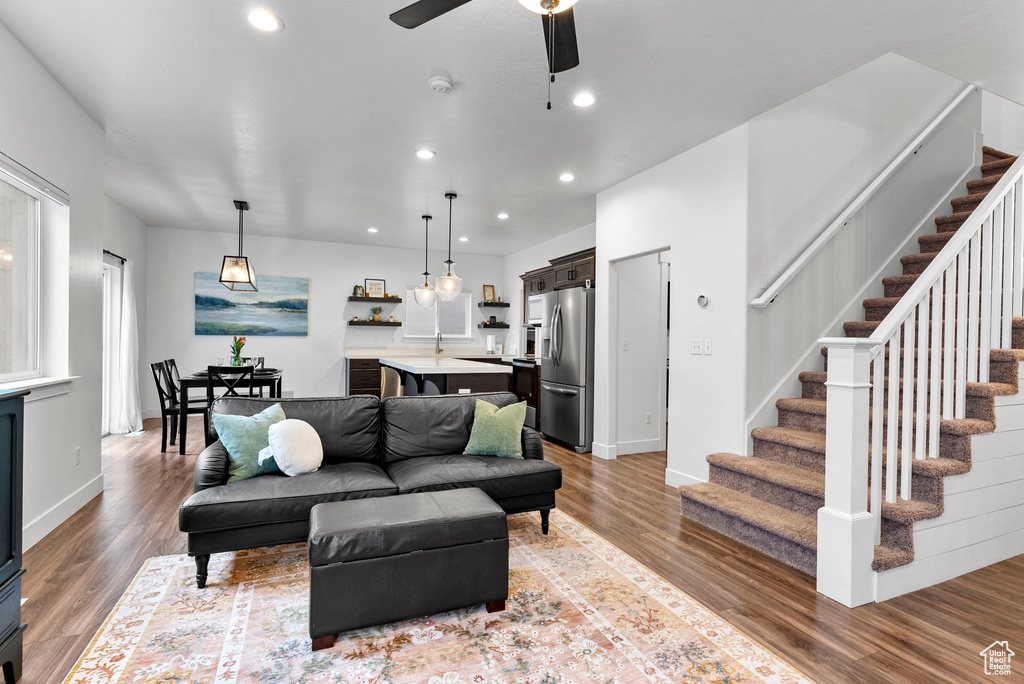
373	287
489	293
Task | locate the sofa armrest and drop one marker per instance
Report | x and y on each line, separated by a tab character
211	467
533	445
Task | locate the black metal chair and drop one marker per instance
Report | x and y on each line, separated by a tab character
169	407
175	378
230	379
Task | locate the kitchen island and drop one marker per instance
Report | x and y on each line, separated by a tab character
441	375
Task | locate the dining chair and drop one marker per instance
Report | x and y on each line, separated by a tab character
169	406
390	382
175	380
229	378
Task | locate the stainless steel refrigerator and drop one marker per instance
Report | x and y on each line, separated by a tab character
567	367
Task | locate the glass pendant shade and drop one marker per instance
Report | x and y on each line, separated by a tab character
448	286
237	273
539	7
424	294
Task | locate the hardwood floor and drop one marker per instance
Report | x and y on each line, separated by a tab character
78	572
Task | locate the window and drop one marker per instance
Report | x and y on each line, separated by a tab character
451	319
19	280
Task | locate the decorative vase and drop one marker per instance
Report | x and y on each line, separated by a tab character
236	360
376	318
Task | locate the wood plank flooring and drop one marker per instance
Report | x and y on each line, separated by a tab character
78	572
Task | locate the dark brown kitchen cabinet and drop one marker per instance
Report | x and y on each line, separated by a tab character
12	405
364	376
574	270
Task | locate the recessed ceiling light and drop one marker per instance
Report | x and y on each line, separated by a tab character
371	230
264	20
566	177
584	100
463	239
503	216
426	154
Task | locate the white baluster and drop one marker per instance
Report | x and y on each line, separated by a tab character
920	380
877	428
984	339
973	304
948	381
846	530
934	382
1018	248
996	294
892	449
907	426
1006	316
962	295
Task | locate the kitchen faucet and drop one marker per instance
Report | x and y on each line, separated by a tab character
437	345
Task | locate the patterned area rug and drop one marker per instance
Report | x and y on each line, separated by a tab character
579	611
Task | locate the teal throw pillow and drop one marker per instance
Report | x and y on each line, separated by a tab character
244	437
497	431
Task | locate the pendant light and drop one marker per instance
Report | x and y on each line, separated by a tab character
424	294
236	273
449	285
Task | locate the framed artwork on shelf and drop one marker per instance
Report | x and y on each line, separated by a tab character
489	293
374	288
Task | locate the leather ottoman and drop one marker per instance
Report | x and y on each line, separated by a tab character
374	561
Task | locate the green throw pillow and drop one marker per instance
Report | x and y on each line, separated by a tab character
244	437
497	431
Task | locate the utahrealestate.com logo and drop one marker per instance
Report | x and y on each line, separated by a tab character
997	658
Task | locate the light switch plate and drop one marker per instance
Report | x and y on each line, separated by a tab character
707	347
696	347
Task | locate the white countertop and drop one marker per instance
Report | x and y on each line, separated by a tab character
442	366
424	353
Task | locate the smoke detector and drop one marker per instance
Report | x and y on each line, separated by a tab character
441	83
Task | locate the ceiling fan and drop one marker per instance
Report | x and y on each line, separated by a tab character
559	28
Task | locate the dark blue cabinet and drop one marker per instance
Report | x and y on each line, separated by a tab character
12	408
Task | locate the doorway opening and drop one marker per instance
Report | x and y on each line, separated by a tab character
113	278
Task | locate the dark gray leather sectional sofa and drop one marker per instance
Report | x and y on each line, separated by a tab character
371	448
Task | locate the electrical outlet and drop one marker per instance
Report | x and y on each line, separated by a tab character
625	345
764	281
707	347
696	347
376	339
78	456
647	418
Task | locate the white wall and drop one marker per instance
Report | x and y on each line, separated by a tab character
313	365
125	235
694	204
43	128
1002	123
532	258
640	356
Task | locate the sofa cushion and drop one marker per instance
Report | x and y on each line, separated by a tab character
244	437
423	426
498	477
278	498
349	427
497	431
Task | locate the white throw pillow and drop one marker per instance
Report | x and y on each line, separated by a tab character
296	447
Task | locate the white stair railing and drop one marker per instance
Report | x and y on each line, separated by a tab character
934	341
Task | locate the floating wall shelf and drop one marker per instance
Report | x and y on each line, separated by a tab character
498	305
383	324
493	326
377	300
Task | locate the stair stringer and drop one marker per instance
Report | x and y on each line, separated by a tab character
789	386
983	514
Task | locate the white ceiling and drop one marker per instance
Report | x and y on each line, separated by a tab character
317	126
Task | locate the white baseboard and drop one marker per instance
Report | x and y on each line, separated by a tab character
605	451
150	413
674	478
48	521
638	446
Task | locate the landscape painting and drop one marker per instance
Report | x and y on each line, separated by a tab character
278	309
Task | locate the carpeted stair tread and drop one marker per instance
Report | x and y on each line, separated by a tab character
798	439
952	426
934	242
972	200
772	471
997	167
795	527
889	557
951	222
927	257
860	328
983	184
910	511
993	152
971	389
813	406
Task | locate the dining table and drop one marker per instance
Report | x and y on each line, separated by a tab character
270	380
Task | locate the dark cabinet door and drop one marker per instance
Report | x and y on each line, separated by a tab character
562	275
544	282
583	269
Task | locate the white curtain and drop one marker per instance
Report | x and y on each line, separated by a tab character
128	414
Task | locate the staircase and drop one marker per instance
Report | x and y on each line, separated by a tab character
770	501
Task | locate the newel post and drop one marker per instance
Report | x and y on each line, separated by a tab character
846	539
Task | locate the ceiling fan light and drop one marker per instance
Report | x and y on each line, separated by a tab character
237	273
538	6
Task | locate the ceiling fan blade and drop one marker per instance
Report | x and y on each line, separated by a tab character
423	11
566	52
